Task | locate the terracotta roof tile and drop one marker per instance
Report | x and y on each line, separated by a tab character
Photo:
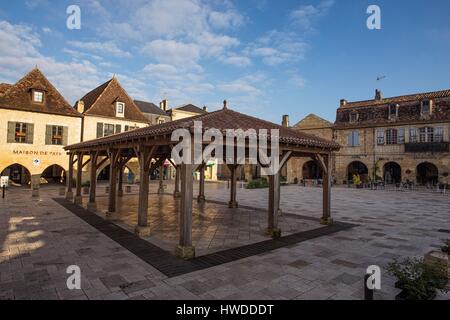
100	102
222	119
4	87
399	99
18	96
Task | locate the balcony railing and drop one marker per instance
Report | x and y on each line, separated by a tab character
433	147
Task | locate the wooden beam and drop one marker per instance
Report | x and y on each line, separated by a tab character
69	193
92	206
185	250
78	199
326	206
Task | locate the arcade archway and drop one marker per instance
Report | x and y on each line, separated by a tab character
427	173
392	173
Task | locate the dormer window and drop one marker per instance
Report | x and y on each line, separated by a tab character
120	109
426	108
354	116
393	111
38	96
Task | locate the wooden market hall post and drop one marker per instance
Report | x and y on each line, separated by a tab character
69	182
274	197
92	205
325	163
113	155
161	179
78	198
185	250
201	184
176	189
144	155
233	169
120	183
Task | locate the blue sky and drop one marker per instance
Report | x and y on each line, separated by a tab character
267	58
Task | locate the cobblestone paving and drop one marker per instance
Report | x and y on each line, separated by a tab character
39	239
215	227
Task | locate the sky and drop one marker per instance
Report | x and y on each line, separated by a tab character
266	58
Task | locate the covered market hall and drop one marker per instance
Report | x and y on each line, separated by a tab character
153	146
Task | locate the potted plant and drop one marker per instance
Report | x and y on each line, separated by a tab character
85	185
418	280
440	256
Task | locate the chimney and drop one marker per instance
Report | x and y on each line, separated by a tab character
343	102
164	104
225	104
80	106
285	122
205	108
377	94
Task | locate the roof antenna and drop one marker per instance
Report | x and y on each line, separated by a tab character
225	105
379	78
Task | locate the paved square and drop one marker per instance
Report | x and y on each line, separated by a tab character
39	239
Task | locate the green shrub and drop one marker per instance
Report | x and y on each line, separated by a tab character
418	280
258	184
86	184
446	247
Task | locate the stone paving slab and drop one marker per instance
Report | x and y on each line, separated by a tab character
172	266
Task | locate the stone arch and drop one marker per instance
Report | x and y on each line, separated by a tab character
312	170
392	172
17	173
54	174
427	173
359	168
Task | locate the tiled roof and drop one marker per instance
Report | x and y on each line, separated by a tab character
150	107
4	87
399	99
222	119
18	96
190	108
101	102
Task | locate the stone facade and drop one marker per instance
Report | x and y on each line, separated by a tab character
399	139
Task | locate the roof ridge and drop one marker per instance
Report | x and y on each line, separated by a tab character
108	83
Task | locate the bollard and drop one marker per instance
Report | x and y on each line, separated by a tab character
368	293
3	191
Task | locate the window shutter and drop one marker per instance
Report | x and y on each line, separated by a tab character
30	133
48	134
401	136
349	139
356	139
118	128
11	132
99	129
127	127
65	136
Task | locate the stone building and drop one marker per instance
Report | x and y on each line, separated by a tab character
185	111
36	123
153	113
397	139
108	110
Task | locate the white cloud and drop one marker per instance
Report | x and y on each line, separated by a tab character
225	19
101	47
305	15
276	47
20	53
238	61
173	52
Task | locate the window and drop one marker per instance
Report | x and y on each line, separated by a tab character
391	136
160	121
108	129
393	111
354	116
380	137
38	96
426	108
401	136
426	134
412	135
439	134
120	109
57	135
353	139
21	132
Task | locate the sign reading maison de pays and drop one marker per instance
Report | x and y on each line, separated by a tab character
37	152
